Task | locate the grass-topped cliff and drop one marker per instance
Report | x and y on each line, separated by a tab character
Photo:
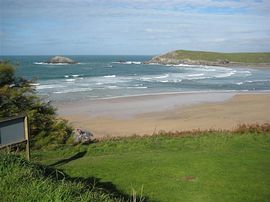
213	58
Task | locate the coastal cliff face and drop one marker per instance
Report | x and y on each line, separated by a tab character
212	58
61	59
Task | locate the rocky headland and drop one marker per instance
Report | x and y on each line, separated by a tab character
213	59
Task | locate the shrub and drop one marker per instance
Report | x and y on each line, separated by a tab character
18	96
253	128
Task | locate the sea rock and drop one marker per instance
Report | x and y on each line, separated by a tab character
61	59
82	136
225	61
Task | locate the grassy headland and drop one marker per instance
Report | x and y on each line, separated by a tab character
202	166
213	58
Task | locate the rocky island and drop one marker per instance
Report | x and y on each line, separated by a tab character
212	59
61	59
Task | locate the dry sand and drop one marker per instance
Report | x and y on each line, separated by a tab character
170	112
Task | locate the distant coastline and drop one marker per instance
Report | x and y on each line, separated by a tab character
184	57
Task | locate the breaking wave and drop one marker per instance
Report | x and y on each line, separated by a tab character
110	76
128	62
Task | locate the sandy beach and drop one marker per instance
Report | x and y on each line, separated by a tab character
170	112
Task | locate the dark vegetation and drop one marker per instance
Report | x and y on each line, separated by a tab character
19	97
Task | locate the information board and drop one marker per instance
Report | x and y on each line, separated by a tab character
14	131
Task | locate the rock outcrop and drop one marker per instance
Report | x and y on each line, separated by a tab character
82	136
61	59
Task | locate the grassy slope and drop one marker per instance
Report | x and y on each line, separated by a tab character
211	167
24	181
215	56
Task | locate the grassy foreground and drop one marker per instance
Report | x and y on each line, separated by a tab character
216	56
24	181
210	166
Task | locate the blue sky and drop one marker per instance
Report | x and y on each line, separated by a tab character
125	27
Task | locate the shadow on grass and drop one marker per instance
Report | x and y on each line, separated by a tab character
94	183
90	182
111	189
67	160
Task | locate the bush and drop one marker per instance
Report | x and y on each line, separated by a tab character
19	97
253	128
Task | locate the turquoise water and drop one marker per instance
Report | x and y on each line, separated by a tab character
98	77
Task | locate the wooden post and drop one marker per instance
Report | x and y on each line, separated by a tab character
26	132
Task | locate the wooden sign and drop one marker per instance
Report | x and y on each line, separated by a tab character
14	131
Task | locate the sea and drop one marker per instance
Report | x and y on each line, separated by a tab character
104	77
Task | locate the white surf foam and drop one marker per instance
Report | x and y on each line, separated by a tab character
108	66
257	81
132	62
74	90
70	80
49	86
136	87
46	63
110	76
40	63
162	76
195	75
112	87
128	62
224	75
34	84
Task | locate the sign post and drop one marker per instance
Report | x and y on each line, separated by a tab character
26	133
14	131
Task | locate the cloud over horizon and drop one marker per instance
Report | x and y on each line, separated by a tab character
132	27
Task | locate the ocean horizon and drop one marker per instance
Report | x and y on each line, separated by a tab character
109	76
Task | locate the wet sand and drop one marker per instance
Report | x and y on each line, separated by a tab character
170	112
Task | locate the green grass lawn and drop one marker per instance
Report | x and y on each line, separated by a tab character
215	56
210	167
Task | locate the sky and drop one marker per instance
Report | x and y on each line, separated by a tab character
132	27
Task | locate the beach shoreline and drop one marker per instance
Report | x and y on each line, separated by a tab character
148	114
